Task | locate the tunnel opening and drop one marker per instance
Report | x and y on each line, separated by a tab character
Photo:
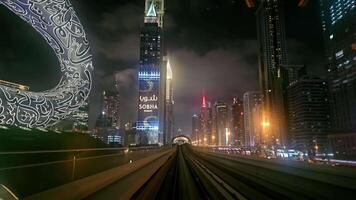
181	139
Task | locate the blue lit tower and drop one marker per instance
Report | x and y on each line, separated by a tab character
149	75
339	30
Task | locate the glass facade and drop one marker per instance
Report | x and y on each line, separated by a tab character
309	117
338	23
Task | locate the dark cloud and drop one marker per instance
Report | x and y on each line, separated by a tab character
115	41
222	73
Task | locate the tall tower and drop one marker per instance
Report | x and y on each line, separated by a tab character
159	8
252	121
81	118
339	30
149	77
195	129
169	103
237	122
109	117
222	124
112	101
206	122
272	57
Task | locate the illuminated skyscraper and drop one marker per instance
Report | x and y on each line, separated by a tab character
206	122
252	114
80	118
222	124
339	30
169	103
107	127
272	57
109	117
149	75
237	122
195	129
111	106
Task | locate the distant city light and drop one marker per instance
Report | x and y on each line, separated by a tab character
265	124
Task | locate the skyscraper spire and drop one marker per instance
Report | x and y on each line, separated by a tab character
151	14
152	11
203	100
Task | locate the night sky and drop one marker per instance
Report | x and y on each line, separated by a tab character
211	44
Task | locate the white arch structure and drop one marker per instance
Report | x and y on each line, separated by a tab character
57	23
181	139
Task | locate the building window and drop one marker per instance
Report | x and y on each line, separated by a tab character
339	54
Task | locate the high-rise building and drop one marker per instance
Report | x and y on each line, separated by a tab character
272	57
130	134
159	7
252	118
237	122
257	138
222	124
111	107
80	118
109	111
206	122
107	127
339	30
195	129
309	117
149	75
169	103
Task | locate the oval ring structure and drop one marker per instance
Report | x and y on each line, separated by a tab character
59	25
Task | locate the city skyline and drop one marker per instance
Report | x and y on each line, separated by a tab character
178	99
185	52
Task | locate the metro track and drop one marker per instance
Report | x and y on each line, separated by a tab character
280	182
175	180
192	174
